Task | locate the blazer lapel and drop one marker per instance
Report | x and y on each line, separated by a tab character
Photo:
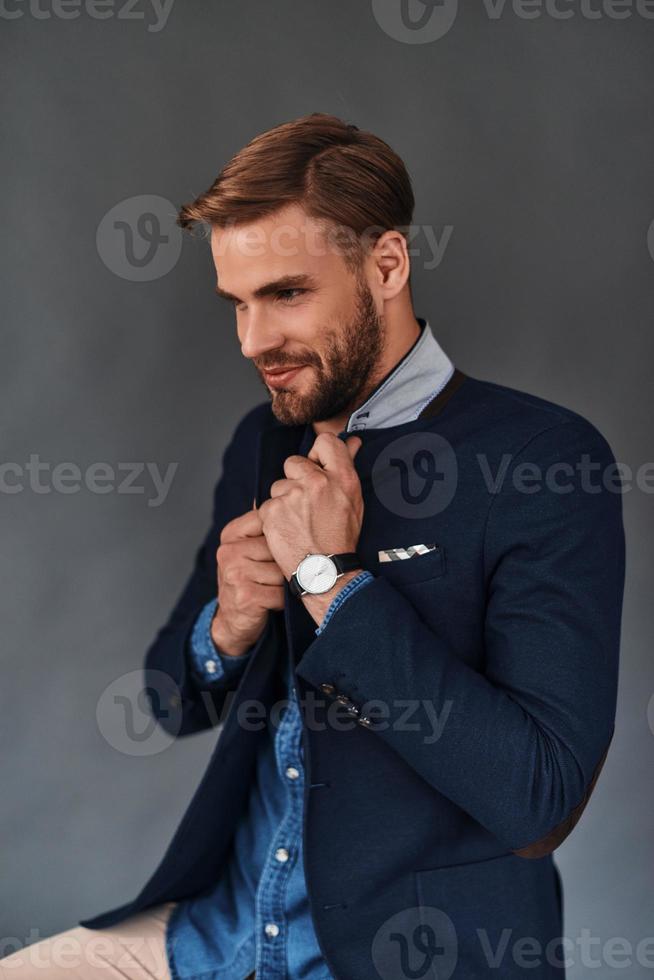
273	446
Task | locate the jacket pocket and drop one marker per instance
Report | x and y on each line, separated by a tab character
505	918
418	568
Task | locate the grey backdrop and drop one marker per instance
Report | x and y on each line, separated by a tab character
529	137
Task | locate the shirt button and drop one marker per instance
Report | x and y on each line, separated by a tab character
271	929
293	773
281	855
211	666
327	688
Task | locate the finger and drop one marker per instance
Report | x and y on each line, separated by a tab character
353	445
332	453
257	548
280	487
267	596
295	467
245	526
264	572
259	596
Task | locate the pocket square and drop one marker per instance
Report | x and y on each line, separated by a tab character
398	554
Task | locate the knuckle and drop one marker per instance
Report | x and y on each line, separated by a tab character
316	479
226	553
241	593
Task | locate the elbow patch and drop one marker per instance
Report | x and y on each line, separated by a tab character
552	840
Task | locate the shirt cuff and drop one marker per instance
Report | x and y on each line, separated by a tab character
352	586
210	663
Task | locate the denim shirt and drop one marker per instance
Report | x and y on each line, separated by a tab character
257	915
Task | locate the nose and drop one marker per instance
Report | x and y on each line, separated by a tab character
257	334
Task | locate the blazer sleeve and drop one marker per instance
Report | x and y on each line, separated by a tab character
522	741
181	697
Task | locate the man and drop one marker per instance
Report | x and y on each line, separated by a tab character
425	570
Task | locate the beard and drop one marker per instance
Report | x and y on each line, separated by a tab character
344	371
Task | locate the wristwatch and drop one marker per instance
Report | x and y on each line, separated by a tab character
317	573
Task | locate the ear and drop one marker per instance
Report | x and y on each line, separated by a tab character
392	263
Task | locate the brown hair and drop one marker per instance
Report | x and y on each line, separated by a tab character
333	170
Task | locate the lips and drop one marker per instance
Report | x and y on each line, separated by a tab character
280	377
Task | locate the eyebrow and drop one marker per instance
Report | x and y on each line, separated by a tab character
302	281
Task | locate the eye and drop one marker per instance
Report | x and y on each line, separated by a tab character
288	295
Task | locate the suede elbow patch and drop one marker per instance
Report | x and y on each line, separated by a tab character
549	843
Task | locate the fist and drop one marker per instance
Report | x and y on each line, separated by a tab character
318	508
249	581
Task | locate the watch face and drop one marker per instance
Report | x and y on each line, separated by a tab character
316	573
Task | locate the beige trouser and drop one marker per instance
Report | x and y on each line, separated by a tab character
135	949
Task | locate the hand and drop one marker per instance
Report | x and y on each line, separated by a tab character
249	584
318	508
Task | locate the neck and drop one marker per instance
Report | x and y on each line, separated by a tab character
402	331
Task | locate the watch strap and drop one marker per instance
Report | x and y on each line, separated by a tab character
347	561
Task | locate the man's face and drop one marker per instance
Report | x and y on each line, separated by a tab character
300	310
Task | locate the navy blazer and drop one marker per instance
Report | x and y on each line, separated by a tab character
428	847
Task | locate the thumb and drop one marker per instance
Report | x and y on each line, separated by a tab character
353	444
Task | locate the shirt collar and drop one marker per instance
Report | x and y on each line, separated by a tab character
400	397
